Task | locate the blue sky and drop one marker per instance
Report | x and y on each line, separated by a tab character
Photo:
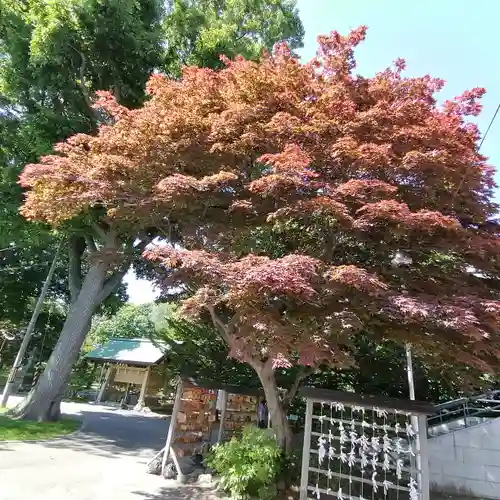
451	39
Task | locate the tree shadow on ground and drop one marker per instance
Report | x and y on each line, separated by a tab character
180	493
114	433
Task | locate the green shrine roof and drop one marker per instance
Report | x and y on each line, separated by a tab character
129	351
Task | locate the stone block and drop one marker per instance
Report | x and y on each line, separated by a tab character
453	483
459	454
442	442
435	465
468	439
493	428
464	470
205	479
484	489
436	478
485	457
493	474
491	442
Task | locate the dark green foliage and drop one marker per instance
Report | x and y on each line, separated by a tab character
44	337
130	321
197	351
248	466
55	55
380	369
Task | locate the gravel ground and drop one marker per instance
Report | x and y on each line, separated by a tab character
105	461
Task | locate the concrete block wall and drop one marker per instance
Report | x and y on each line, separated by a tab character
467	461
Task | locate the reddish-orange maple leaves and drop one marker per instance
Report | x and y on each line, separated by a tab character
294	186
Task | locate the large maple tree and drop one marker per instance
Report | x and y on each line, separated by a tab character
311	203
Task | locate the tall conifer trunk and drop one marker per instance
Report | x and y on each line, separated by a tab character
39	404
101	279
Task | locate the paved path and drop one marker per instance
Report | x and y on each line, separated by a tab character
105	461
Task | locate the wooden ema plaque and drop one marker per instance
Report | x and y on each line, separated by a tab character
241	410
194	422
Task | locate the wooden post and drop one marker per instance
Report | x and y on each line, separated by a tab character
423	454
104	385
171	427
125	396
222	416
419	424
144	386
304	476
9	385
180	476
102	374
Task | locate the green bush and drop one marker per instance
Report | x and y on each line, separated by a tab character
248	466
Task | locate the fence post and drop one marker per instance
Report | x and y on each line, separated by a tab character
222	417
423	453
306	450
171	427
104	384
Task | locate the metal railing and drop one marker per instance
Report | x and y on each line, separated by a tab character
462	413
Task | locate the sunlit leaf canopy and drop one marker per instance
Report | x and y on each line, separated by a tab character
294	186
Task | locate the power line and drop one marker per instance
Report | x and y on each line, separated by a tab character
460	184
489	126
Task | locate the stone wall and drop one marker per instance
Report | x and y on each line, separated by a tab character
467	461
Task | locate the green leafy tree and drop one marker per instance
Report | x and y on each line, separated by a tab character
199	31
55	56
196	350
130	321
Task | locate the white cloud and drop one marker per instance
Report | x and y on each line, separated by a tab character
140	291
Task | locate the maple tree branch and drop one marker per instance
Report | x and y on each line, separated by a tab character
219	324
100	231
255	363
232	322
169	229
117	92
112	282
158	225
77	246
243	35
267	363
145	240
304	372
84	90
89	240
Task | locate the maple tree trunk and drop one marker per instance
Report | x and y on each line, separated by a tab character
277	413
43	402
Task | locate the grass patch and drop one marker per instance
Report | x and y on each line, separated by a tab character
25	430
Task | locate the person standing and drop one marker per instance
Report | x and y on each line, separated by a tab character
218	405
262	414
